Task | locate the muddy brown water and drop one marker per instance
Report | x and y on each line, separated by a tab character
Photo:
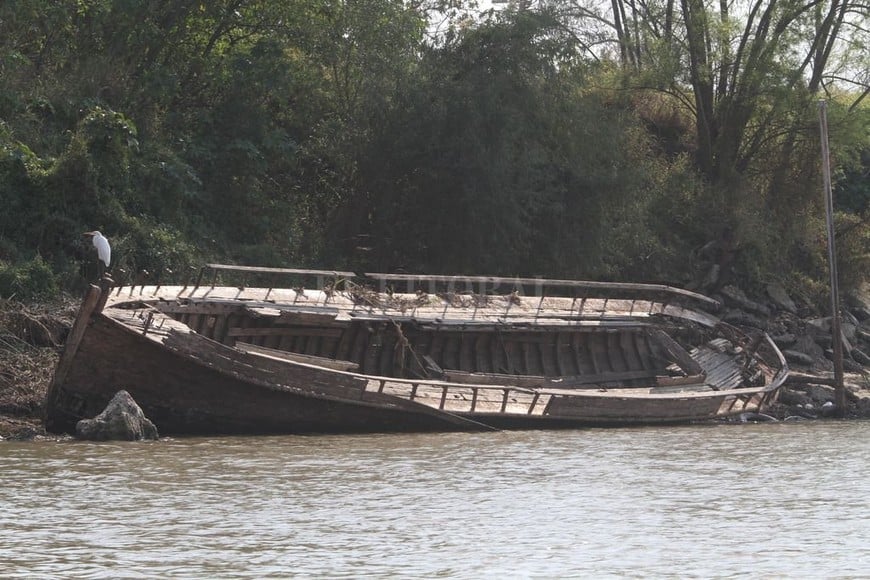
768	500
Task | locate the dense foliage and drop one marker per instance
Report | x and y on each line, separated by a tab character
570	139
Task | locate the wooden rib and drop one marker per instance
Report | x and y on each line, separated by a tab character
510	349
372	353
343	347
220	327
548	362
527	358
590	352
560	362
388	350
358	350
436	346
576	348
614	352
466	360
481	353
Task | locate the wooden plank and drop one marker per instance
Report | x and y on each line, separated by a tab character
272	330
309	318
300	271
675	351
197	307
628	289
687	380
264	369
531	381
74	339
339	365
464	377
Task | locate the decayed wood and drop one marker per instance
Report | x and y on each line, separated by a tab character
272	330
677	352
89	304
340	365
266	370
577	285
805	379
297	271
687	380
539	381
317	345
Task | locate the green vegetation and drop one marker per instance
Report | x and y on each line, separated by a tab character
639	143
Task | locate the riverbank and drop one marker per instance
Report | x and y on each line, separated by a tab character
30	342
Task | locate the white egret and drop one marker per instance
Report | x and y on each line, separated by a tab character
104	251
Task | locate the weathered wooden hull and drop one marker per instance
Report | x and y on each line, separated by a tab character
183	397
207	367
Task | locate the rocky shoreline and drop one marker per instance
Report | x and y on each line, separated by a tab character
31	339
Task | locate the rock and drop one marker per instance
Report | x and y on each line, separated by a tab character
781	298
828	408
851	366
792	398
821	324
807	345
784	340
740	318
797	357
121	420
736	297
850	332
848	364
820	394
860	357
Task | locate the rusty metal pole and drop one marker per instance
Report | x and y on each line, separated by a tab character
836	332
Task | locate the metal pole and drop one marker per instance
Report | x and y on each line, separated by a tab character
837	335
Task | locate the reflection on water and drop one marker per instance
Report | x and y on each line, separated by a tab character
784	500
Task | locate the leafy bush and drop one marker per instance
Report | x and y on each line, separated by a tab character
28	281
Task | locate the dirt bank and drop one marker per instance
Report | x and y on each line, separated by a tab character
30	341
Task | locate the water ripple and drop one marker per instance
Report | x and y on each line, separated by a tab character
715	501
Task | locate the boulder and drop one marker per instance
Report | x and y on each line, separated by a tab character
121	420
781	298
793	398
860	357
797	357
741	318
820	394
821	325
738	298
784	340
807	345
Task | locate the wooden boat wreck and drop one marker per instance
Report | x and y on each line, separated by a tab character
392	352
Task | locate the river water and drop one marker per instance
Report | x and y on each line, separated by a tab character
767	500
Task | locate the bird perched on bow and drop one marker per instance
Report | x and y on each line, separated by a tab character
104	251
